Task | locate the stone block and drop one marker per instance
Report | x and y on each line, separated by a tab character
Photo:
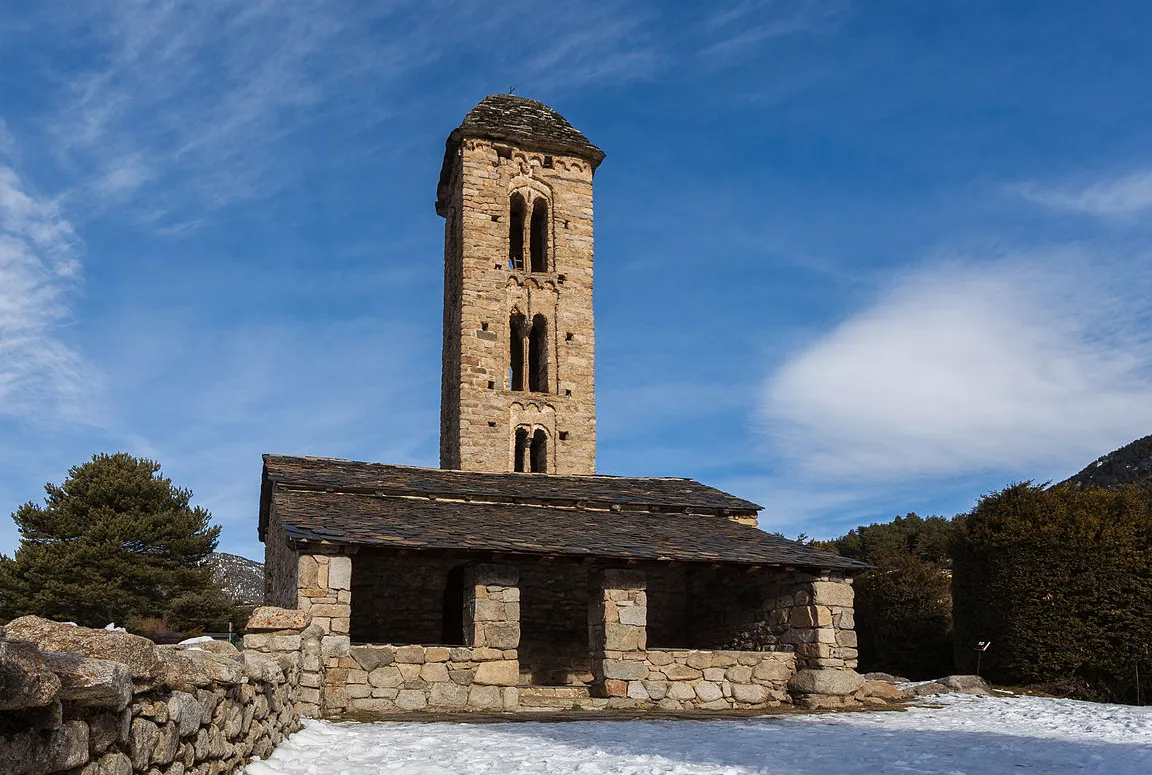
388	676
714	674
268	617
502	635
811	616
846	638
372	704
725	658
488	611
681	691
699	659
502	673
448	695
752	694
708	691
495	574
306	571
436	654
832	593
624	669
739	674
331	610
636	615
622	637
614	687
657	690
510	696
140	654
678	672
285	643
485	697
335	645
826	682
410	671
659	658
411	699
410	655
434	672
636	691
371	657
26	680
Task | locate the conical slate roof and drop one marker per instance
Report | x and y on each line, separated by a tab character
522	122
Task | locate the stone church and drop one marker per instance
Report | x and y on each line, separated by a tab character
515	577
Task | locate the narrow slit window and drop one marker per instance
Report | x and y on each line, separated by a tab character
516	211
539	452
520	452
516	352
538	239
538	355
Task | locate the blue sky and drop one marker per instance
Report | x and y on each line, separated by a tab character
853	259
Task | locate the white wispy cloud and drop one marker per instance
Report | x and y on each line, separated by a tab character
1127	194
734	31
1037	361
39	373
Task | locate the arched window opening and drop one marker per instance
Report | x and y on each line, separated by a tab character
520	460
538	239
539	452
516	325
538	355
516	211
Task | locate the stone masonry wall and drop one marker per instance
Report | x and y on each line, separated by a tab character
479	410
389	679
95	702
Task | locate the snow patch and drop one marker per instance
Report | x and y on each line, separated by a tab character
955	735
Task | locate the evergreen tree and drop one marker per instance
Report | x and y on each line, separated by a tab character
116	542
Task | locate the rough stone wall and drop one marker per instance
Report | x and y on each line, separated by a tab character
388	679
668	621
492	606
280	581
401	599
706	680
94	702
479	410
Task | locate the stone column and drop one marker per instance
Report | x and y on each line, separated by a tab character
618	630
492	606
825	642
324	590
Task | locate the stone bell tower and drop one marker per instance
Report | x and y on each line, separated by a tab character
518	382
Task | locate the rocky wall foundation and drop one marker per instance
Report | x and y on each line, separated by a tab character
96	702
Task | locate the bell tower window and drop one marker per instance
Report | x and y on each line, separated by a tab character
516	212
538	238
516	346
539	452
538	355
520	460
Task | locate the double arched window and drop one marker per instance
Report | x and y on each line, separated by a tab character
528	353
531	452
531	229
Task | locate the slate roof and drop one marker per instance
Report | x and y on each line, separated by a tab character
403	507
522	122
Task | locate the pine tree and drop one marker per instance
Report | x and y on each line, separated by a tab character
116	542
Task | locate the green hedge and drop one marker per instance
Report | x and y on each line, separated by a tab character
1060	581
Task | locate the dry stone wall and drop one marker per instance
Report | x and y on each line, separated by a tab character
95	702
391	679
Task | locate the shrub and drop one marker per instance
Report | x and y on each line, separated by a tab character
1060	581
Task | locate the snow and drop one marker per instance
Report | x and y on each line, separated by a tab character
960	735
111	627
198	639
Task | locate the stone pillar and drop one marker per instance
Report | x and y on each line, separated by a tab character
287	637
822	632
324	590
492	606
618	630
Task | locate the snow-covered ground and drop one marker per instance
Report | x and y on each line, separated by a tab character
966	736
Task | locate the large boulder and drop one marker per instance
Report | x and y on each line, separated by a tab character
26	681
967	684
139	654
99	683
827	682
184	668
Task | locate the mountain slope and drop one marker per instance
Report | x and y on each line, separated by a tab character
242	579
1131	464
